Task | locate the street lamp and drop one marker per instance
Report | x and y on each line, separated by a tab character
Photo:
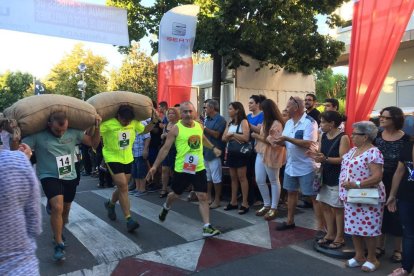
82	83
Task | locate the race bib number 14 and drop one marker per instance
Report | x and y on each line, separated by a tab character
64	164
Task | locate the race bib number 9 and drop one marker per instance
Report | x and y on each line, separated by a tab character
190	163
123	139
64	164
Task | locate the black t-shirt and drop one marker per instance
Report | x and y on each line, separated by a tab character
406	189
315	115
156	132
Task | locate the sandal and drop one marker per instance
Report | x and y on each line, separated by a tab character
163	193
324	241
351	263
271	215
335	245
379	252
243	210
262	211
231	207
370	267
396	256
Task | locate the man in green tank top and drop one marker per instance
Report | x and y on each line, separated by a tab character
187	135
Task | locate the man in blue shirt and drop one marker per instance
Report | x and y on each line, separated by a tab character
214	126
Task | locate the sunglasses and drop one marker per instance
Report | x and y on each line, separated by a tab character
293	99
358	133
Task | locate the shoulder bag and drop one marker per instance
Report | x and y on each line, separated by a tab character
239	149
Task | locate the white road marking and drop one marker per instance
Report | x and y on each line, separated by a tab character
256	235
185	227
83	225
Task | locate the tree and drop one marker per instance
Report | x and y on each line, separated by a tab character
282	33
13	87
137	74
330	85
65	75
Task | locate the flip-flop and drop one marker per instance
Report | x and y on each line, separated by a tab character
324	241
370	267
214	206
396	256
351	263
334	245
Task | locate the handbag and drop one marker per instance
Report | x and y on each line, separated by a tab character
318	176
239	149
363	196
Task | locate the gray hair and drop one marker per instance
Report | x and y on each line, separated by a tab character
299	101
213	104
366	127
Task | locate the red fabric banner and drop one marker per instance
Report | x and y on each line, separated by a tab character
377	29
174	80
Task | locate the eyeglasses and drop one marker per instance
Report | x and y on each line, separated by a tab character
293	99
358	133
385	117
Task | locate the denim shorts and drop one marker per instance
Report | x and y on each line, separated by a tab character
304	183
139	168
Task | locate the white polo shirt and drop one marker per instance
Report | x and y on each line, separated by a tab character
298	163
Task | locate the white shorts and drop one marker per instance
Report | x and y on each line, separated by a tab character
213	170
330	195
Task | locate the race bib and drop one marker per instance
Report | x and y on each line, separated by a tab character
123	139
64	164
190	163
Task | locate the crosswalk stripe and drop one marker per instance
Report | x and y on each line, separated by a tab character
183	226
83	224
102	269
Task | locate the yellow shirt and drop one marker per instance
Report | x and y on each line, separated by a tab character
189	146
118	140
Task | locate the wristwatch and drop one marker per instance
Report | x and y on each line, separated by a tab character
358	183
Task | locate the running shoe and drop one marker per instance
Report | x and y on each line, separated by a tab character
59	254
210	231
111	210
139	193
63	241
132	225
163	213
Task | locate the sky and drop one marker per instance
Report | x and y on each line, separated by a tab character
37	54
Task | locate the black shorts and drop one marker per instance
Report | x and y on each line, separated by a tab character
115	168
182	180
53	187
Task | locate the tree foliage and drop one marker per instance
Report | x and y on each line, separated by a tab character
137	74
65	75
283	33
13	87
330	85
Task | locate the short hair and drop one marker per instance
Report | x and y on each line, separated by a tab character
366	127
214	104
311	95
298	101
397	116
177	105
256	98
333	116
58	117
126	112
163	104
175	110
334	102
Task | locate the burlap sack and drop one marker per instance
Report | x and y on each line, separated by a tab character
32	113
108	103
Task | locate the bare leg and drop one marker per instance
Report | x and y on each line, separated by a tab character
165	177
56	219
241	174
203	207
319	216
292	201
359	248
121	193
330	221
371	243
339	220
217	193
234	186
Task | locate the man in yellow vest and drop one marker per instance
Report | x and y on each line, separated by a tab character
189	168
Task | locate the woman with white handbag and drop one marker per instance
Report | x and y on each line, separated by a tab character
363	194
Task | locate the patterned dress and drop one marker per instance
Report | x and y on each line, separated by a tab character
361	219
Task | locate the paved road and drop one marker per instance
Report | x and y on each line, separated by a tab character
248	245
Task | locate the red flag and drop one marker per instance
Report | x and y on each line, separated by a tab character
377	29
175	47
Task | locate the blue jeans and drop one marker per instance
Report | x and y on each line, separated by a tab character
406	209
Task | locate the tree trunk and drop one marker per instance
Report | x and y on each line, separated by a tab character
216	86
